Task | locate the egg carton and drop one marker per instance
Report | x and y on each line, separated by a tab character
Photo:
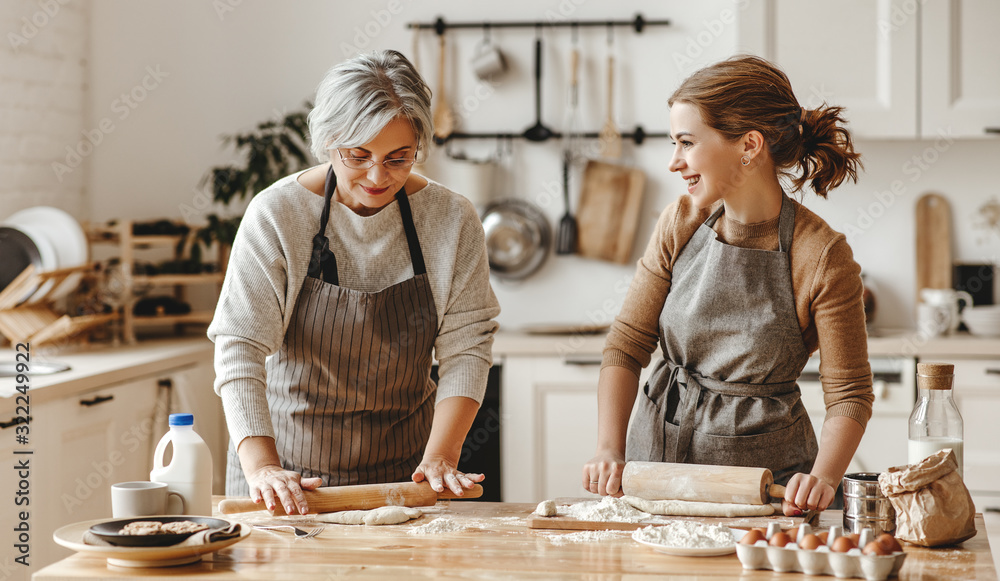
822	560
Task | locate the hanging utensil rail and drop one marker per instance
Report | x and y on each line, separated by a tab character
638	23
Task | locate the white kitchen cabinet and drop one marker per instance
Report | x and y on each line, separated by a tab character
902	68
960	78
549	409
977	394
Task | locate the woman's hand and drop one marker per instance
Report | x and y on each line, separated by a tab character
603	474
439	472
274	484
806	492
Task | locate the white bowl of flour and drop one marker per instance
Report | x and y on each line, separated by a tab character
688	539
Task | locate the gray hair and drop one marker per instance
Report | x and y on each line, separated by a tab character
359	97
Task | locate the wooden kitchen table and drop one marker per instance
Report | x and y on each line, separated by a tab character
495	545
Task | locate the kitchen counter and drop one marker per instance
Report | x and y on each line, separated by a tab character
497	545
101	365
886	343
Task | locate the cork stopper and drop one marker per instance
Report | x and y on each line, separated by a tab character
935	375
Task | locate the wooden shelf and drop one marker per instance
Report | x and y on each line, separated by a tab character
168	279
195	317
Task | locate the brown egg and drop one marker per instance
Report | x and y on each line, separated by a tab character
760	530
752	536
843	544
779	539
854	537
809	542
793	533
823	537
889	543
873	548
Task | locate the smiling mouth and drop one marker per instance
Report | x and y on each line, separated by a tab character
693	181
374	191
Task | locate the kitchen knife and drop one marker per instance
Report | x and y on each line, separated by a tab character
357	497
700	483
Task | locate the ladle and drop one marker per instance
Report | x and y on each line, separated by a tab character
538	131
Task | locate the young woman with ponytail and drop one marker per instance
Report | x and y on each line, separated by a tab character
739	285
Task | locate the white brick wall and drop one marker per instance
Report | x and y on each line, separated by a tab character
44	46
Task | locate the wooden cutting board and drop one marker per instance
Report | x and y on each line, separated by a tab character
610	201
933	230
568	523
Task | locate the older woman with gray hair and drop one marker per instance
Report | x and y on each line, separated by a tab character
345	281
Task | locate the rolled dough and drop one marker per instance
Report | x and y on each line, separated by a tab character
383	515
690	508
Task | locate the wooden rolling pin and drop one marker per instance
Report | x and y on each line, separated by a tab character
701	483
356	497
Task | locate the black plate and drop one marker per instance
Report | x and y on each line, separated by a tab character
109	531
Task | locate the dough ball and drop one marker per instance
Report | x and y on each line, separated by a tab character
546	508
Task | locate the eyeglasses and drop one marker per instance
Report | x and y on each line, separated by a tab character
366	163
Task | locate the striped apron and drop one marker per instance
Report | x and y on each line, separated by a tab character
349	391
725	392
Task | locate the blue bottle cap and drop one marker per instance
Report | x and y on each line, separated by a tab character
181	420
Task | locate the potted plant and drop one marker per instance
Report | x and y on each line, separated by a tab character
275	148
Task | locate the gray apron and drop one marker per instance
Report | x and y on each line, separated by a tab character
725	392
349	391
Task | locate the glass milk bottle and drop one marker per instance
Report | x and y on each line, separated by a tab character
190	470
935	423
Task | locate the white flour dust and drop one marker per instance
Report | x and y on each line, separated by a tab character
438	526
687	535
585	537
608	509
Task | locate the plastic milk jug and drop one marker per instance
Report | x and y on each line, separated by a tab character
190	470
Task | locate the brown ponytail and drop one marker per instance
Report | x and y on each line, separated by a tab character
747	93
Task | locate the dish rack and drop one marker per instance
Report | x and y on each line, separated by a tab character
37	322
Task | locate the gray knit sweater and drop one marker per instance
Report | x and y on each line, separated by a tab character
268	265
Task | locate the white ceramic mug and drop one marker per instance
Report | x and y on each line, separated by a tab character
933	320
488	61
948	299
141	498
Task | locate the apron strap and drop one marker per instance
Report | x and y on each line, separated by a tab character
416	255
322	261
786	222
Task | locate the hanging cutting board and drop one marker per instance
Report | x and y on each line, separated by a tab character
608	214
933	227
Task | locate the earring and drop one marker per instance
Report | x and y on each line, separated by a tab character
745	160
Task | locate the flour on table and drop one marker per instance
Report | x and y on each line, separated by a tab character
585	537
608	509
687	535
546	508
383	515
692	508
438	526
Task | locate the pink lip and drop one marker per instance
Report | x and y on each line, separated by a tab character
374	191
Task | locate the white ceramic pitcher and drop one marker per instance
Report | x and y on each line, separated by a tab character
949	299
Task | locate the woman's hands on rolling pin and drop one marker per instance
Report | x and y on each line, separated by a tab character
603	474
806	492
275	484
439	472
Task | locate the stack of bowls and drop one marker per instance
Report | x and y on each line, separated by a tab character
984	320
